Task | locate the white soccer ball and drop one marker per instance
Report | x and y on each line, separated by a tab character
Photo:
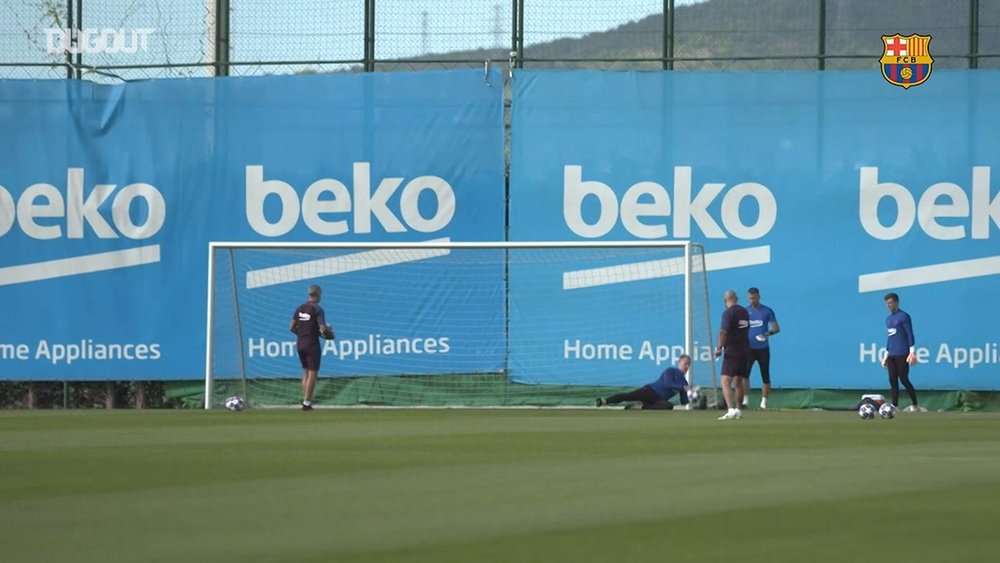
867	411
694	393
236	403
887	411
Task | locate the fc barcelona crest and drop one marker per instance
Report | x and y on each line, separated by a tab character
906	60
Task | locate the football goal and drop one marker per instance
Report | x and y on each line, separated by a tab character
446	323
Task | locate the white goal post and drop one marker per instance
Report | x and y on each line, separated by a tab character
545	313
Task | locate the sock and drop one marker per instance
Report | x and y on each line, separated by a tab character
763	401
307	403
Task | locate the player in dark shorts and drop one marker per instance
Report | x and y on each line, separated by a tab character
308	324
901	351
657	394
733	335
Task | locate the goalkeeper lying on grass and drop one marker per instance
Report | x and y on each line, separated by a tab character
309	323
657	394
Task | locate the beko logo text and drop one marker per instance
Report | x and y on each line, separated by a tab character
943	200
40	204
325	198
645	201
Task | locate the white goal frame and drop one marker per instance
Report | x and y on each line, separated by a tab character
446	245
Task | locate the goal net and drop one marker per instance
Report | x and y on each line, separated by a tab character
457	324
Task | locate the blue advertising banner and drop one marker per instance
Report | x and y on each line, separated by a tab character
825	190
109	196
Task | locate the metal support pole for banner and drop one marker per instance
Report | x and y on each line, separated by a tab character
821	59
519	45
513	34
69	26
369	39
79	51
222	46
668	34
973	33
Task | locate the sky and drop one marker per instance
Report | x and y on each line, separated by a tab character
286	30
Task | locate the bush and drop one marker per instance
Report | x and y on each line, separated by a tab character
82	394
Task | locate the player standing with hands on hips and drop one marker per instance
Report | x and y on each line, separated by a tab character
901	351
733	339
309	323
763	325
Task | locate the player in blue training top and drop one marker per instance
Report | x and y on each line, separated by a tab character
309	323
733	340
901	351
763	325
657	394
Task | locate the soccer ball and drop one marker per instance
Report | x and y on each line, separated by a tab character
694	394
235	403
887	411
867	411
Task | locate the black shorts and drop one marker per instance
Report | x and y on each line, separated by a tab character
735	365
310	354
763	357
897	366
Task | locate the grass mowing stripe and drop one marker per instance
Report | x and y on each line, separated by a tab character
434	485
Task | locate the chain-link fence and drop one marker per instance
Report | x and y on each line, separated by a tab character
110	40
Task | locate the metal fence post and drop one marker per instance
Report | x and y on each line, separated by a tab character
519	34
513	32
222	47
369	50
668	34
973	33
69	26
821	59
79	25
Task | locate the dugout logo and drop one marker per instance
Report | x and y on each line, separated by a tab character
906	60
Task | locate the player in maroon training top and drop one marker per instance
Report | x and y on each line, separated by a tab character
734	328
309	323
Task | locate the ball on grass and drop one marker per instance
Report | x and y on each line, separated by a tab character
235	403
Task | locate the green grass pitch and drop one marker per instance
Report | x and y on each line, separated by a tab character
491	485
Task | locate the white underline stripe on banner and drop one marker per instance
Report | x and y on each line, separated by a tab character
934	273
63	267
666	267
354	262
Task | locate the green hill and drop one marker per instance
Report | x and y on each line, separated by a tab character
787	30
